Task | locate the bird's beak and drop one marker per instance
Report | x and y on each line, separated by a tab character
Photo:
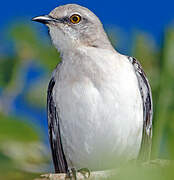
46	19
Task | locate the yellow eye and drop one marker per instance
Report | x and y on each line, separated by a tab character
75	18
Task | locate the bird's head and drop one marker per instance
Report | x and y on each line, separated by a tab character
71	26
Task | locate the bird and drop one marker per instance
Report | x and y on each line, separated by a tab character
99	101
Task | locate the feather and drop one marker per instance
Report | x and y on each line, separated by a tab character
59	160
145	90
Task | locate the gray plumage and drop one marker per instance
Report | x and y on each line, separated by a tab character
99	102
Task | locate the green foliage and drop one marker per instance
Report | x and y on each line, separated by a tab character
164	116
15	174
6	65
13	129
137	172
20	149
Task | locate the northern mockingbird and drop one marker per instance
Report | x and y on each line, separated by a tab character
99	101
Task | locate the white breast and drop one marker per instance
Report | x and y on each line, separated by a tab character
100	108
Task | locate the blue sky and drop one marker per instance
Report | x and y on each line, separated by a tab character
149	16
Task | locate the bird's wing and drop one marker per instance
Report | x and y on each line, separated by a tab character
59	160
145	90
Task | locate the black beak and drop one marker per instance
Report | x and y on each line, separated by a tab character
46	19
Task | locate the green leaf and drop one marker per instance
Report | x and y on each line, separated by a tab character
15	130
164	118
6	69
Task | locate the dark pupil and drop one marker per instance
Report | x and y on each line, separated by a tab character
75	19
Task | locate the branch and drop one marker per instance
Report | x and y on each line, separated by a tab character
103	175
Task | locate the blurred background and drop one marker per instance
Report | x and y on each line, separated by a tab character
143	29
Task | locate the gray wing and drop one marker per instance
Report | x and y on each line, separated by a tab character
145	90
59	160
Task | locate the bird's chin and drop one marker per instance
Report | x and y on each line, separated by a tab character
61	41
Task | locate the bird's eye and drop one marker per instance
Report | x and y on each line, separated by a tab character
75	18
